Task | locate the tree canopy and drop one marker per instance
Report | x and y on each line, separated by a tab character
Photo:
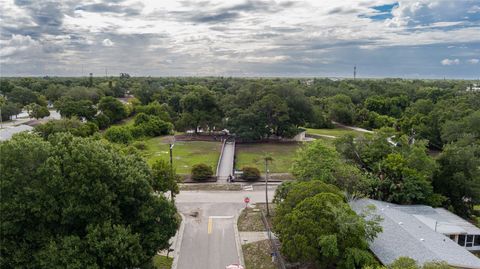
78	203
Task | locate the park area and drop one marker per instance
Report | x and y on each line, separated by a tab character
185	153
254	154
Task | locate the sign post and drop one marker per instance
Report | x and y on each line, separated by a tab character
246	200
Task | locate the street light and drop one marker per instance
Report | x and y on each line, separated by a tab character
267	159
171	165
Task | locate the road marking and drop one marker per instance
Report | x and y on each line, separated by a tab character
210	224
220	217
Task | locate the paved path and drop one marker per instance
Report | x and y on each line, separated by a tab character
210	239
226	163
250	237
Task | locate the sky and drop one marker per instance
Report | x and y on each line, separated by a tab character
286	38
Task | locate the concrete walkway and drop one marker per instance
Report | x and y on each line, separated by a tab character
250	237
226	163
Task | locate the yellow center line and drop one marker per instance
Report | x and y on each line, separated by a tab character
210	224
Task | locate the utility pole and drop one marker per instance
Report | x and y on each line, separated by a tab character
171	166
354	72
267	159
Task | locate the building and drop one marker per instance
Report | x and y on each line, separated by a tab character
422	233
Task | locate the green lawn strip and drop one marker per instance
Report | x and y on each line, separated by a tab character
253	155
185	154
337	132
250	221
258	255
162	262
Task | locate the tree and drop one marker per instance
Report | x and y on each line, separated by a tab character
39	112
78	203
119	134
458	177
201	172
73	126
112	108
320	229
341	109
55	92
23	96
102	121
199	109
68	107
316	160
273	111
10	109
164	177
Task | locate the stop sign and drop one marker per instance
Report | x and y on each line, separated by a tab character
246	200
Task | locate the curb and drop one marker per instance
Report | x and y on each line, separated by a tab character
237	239
178	242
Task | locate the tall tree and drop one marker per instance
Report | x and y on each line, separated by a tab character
78	203
112	108
319	228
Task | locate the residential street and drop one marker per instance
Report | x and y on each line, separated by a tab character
209	239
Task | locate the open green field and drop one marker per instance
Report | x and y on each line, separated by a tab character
253	155
337	132
185	154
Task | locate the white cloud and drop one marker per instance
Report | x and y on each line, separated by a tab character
450	61
473	61
107	42
16	44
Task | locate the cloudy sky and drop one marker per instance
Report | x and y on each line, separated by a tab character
384	38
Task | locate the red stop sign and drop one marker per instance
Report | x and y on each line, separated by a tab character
246	200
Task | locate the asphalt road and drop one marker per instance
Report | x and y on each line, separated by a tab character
226	163
209	239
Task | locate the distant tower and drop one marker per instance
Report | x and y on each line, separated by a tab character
91	80
354	72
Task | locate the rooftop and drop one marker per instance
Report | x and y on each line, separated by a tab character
410	231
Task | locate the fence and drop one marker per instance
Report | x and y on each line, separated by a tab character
274	244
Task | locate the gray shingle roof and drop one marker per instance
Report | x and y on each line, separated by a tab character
404	234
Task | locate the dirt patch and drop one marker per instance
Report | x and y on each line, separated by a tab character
250	221
258	255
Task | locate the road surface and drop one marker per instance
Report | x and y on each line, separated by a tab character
209	239
225	168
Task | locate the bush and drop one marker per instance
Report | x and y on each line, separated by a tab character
118	134
251	173
102	121
140	145
201	172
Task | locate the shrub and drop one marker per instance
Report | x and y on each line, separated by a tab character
118	134
140	145
102	121
201	172
141	118
250	173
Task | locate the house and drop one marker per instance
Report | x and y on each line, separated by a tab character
422	233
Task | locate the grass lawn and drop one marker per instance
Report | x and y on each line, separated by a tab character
337	132
253	155
162	262
257	255
185	154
